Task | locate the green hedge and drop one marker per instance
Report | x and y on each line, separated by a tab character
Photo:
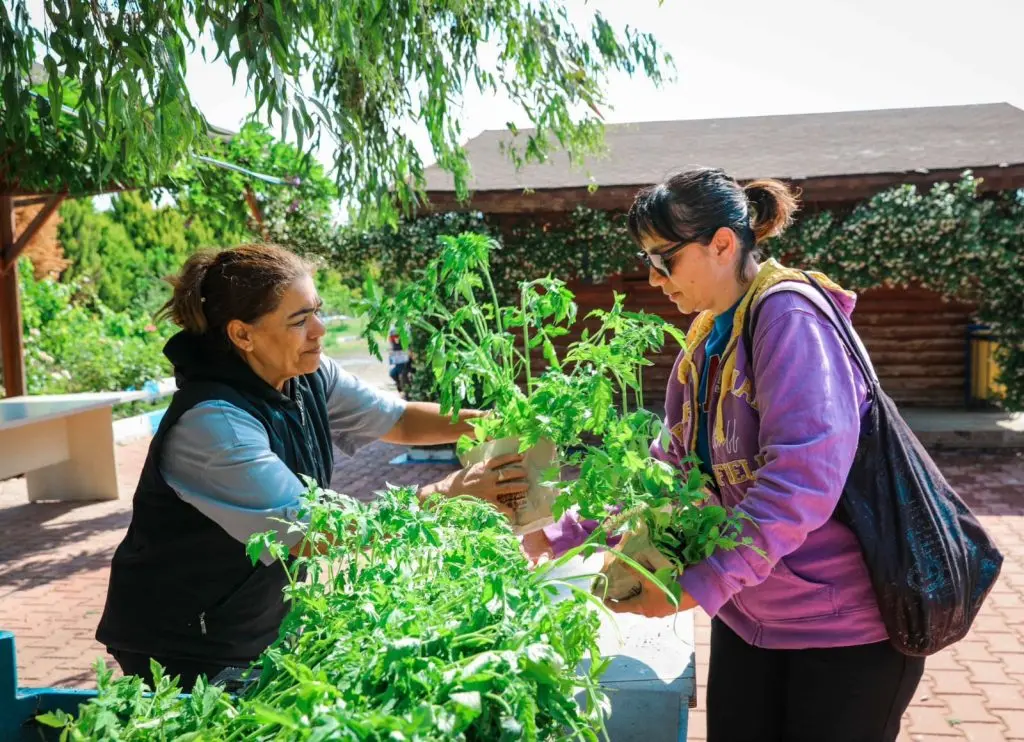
75	343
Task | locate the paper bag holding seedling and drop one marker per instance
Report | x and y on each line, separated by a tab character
621	581
535	513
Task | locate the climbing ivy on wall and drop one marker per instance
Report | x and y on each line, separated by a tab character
950	239
586	244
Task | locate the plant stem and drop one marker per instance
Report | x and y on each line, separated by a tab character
623	390
494	298
526	338
497	316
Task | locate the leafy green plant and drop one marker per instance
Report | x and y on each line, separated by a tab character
75	343
337	298
138	407
589	402
407	622
479	349
298	214
123	253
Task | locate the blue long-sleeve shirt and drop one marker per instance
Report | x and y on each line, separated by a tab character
218	459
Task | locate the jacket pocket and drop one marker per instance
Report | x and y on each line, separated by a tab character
788	596
217	609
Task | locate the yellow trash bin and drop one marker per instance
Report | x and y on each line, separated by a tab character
982	369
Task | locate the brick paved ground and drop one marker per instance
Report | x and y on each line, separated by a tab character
54	557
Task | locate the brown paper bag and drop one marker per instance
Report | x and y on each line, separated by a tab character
535	513
623	582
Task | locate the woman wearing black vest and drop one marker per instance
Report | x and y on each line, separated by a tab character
257	405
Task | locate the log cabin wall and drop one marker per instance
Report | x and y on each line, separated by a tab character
916	339
918	342
44	249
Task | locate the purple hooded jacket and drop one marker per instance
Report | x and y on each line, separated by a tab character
791	418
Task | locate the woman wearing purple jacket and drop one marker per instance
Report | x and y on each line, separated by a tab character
798	647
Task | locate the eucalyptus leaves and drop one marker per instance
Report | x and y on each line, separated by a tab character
348	75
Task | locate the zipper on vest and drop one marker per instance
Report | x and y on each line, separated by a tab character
314	459
202	622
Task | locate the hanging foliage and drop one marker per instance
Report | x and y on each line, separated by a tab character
93	94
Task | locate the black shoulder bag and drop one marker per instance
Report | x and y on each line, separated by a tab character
931	563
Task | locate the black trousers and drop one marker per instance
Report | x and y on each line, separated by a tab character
844	694
133	663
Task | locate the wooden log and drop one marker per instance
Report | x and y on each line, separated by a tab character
936	344
923	371
883	358
933	398
905	332
919	383
911	319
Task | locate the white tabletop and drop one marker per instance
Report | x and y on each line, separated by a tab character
18	411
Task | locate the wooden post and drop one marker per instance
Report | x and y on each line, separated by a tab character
11	341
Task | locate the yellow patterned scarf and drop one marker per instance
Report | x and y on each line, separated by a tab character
770	274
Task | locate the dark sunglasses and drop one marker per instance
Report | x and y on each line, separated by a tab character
659	260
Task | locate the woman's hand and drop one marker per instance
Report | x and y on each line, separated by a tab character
625	590
651	602
536	546
497	480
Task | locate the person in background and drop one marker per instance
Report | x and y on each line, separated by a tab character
258	406
399	361
799	650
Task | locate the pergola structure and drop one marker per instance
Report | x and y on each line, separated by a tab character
12	244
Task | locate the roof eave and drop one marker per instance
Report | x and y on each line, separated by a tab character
822	189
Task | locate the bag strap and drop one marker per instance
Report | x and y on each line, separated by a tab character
824	301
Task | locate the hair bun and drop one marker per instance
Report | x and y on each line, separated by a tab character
773	205
185	307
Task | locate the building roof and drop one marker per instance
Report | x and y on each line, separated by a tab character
793	147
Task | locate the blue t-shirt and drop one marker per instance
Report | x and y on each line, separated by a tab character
717	340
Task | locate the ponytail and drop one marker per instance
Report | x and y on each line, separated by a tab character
185	307
772	206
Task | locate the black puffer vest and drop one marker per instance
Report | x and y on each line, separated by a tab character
180	586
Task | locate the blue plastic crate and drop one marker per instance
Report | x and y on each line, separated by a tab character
20	706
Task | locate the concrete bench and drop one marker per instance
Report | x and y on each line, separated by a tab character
64	445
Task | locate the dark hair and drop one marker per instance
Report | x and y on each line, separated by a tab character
691	206
244	283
